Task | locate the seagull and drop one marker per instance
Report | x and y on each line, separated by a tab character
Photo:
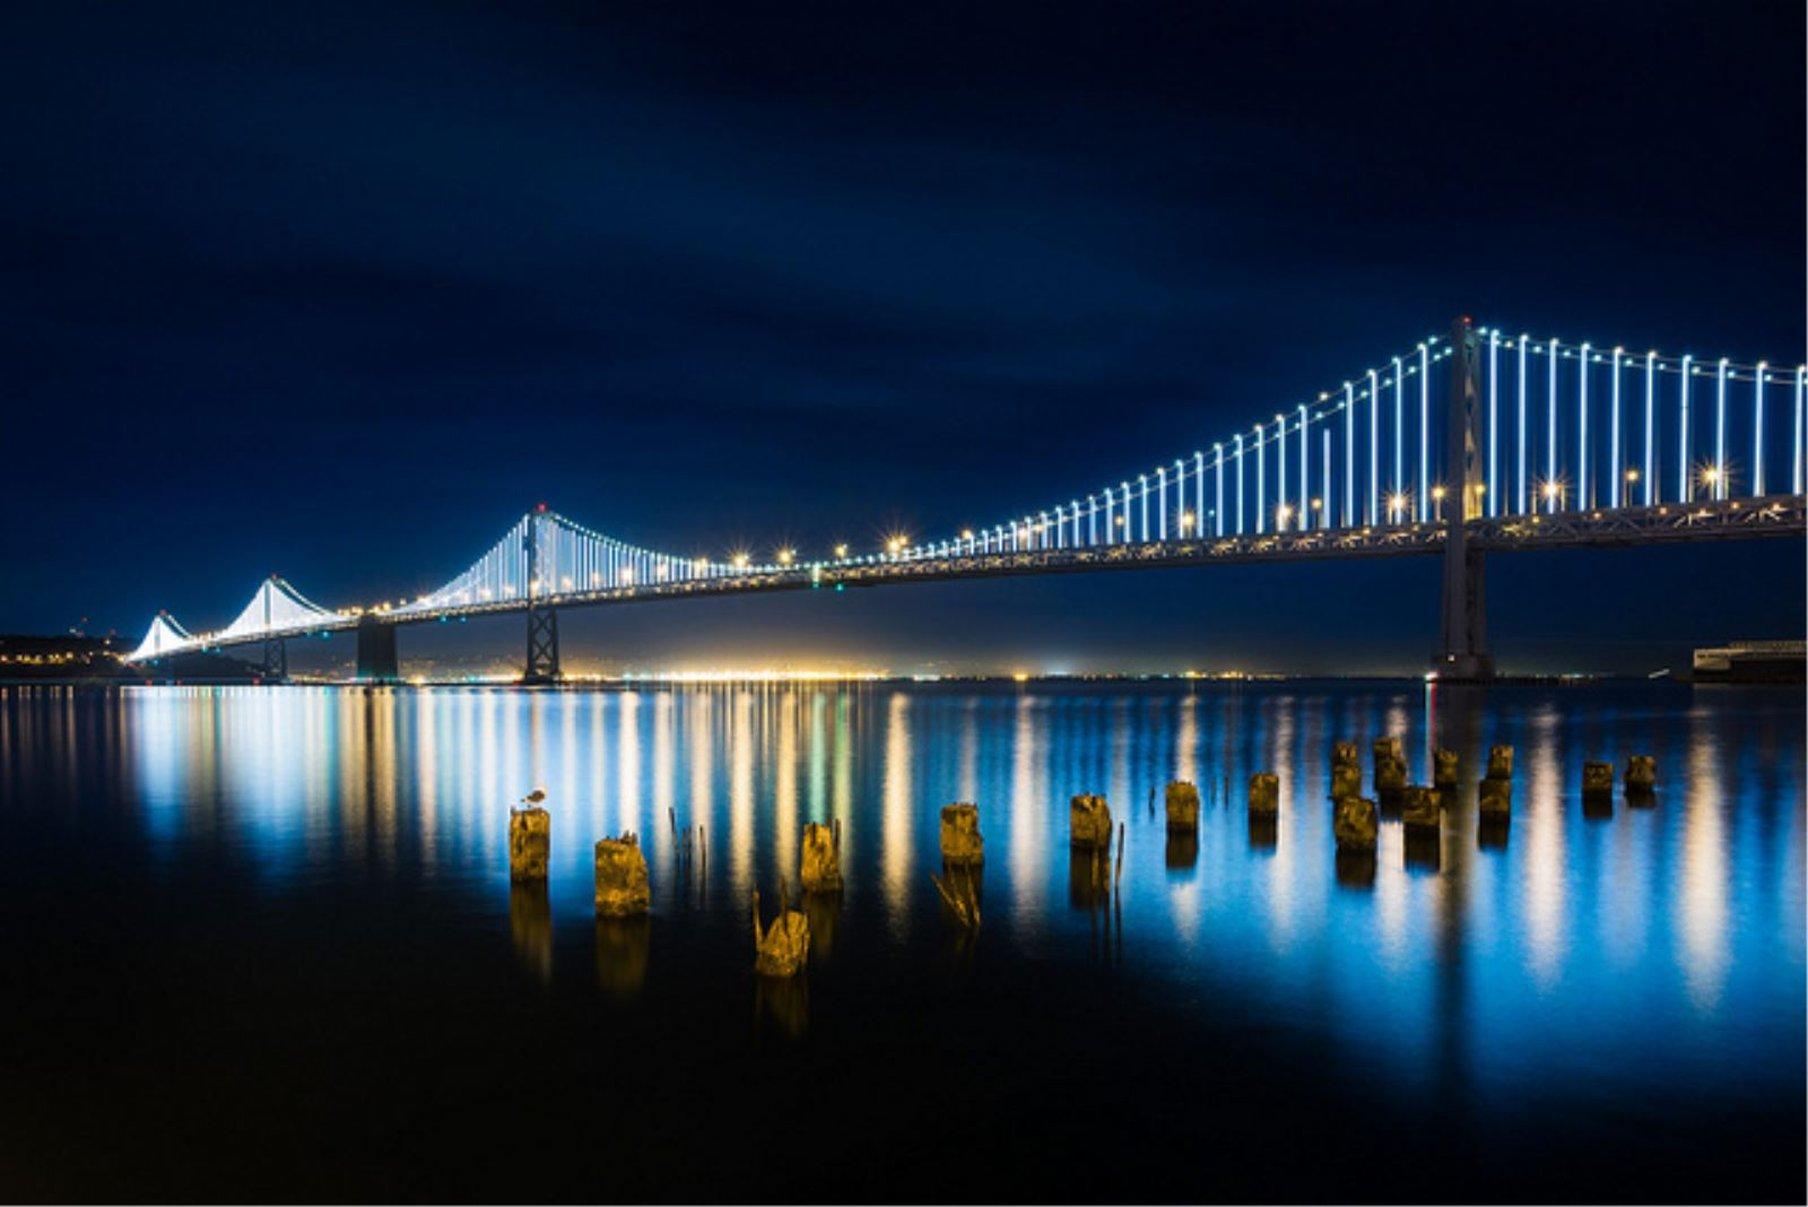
534	797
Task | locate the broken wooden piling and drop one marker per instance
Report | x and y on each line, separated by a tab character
821	859
1182	800
530	843
1355	824
782	949
962	845
622	890
1421	808
1089	822
1264	793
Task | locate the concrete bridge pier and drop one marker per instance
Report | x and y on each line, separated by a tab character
377	651
1463	654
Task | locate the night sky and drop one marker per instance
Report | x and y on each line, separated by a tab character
339	292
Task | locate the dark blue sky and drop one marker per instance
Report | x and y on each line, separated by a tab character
340	291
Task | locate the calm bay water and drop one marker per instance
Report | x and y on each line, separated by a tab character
262	942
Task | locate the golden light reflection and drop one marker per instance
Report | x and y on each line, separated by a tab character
598	763
570	775
841	798
1282	868
664	772
488	714
468	763
819	757
1125	727
740	791
354	753
628	750
1627	889
896	806
700	741
426	753
1186	740
1027	822
784	782
1701	905
1545	869
1392	903
969	751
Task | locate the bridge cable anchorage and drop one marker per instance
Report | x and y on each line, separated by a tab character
1348	506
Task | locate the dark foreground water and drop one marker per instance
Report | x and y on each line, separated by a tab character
262	943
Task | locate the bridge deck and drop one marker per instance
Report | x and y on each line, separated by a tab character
1772	516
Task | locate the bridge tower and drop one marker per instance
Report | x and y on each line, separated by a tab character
276	650
1464	653
542	619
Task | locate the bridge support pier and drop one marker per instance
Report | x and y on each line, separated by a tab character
542	646
276	660
1464	651
542	620
377	651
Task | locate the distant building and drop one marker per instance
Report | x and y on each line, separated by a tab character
1753	662
62	657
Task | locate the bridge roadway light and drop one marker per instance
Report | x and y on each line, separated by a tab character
786	556
841	551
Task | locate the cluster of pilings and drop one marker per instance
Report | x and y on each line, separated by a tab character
782	946
1639	778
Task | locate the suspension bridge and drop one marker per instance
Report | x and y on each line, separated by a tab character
1478	442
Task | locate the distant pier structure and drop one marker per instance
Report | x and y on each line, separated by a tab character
1752	662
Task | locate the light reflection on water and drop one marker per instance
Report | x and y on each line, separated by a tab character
1584	943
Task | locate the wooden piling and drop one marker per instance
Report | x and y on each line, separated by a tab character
962	844
1500	762
1355	824
1182	800
1089	822
1264	793
1421	808
1597	780
820	861
1444	770
530	843
622	890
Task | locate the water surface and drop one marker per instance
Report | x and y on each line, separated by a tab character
262	943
